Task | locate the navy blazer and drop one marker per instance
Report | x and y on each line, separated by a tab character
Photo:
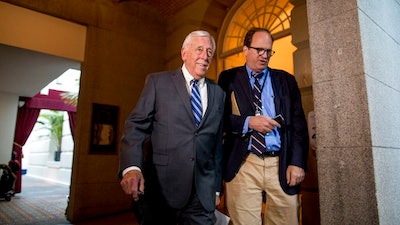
239	105
181	154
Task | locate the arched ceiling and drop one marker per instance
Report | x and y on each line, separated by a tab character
170	7
33	81
166	7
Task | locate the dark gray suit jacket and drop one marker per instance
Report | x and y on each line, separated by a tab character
294	132
182	154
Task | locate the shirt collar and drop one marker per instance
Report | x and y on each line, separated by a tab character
249	71
188	77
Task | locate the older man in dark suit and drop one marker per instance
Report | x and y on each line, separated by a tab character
181	113
263	155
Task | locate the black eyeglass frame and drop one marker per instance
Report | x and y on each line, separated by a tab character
261	51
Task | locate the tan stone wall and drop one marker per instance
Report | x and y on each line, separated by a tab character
113	73
125	42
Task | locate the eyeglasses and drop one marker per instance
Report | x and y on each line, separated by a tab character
261	51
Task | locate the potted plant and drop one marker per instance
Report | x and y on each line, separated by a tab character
53	121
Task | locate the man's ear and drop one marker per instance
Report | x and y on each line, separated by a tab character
183	54
245	50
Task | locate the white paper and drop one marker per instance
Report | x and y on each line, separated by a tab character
221	219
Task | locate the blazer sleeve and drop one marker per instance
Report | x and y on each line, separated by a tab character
137	128
299	131
235	113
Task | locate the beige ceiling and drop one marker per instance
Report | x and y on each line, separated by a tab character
166	7
170	7
25	73
40	56
22	71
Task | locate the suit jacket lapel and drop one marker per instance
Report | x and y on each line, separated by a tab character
180	86
243	88
210	101
277	91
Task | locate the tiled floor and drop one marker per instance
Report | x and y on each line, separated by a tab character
48	200
123	219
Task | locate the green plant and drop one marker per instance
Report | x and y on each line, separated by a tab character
70	98
53	121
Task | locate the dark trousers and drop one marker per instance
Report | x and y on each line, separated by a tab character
152	209
192	214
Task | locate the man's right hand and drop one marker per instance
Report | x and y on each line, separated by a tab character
263	124
132	183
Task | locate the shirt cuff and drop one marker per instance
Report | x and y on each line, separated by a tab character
125	171
246	126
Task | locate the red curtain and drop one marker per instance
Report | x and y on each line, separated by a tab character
72	123
26	119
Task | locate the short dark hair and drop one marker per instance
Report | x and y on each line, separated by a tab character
249	35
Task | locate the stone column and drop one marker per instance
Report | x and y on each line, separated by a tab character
302	71
344	152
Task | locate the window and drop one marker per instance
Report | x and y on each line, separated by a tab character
271	14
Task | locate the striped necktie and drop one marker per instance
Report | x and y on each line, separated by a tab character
196	102
258	139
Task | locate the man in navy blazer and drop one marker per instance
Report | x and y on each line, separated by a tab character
278	171
181	174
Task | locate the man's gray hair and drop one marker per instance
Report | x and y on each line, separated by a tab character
198	33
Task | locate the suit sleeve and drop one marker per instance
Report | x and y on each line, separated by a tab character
219	155
137	128
299	134
233	121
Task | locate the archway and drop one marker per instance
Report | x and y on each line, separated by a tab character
27	116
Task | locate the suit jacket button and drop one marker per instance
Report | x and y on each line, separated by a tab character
191	159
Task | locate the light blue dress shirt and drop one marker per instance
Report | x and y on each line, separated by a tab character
272	139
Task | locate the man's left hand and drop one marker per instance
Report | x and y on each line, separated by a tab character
217	200
294	175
